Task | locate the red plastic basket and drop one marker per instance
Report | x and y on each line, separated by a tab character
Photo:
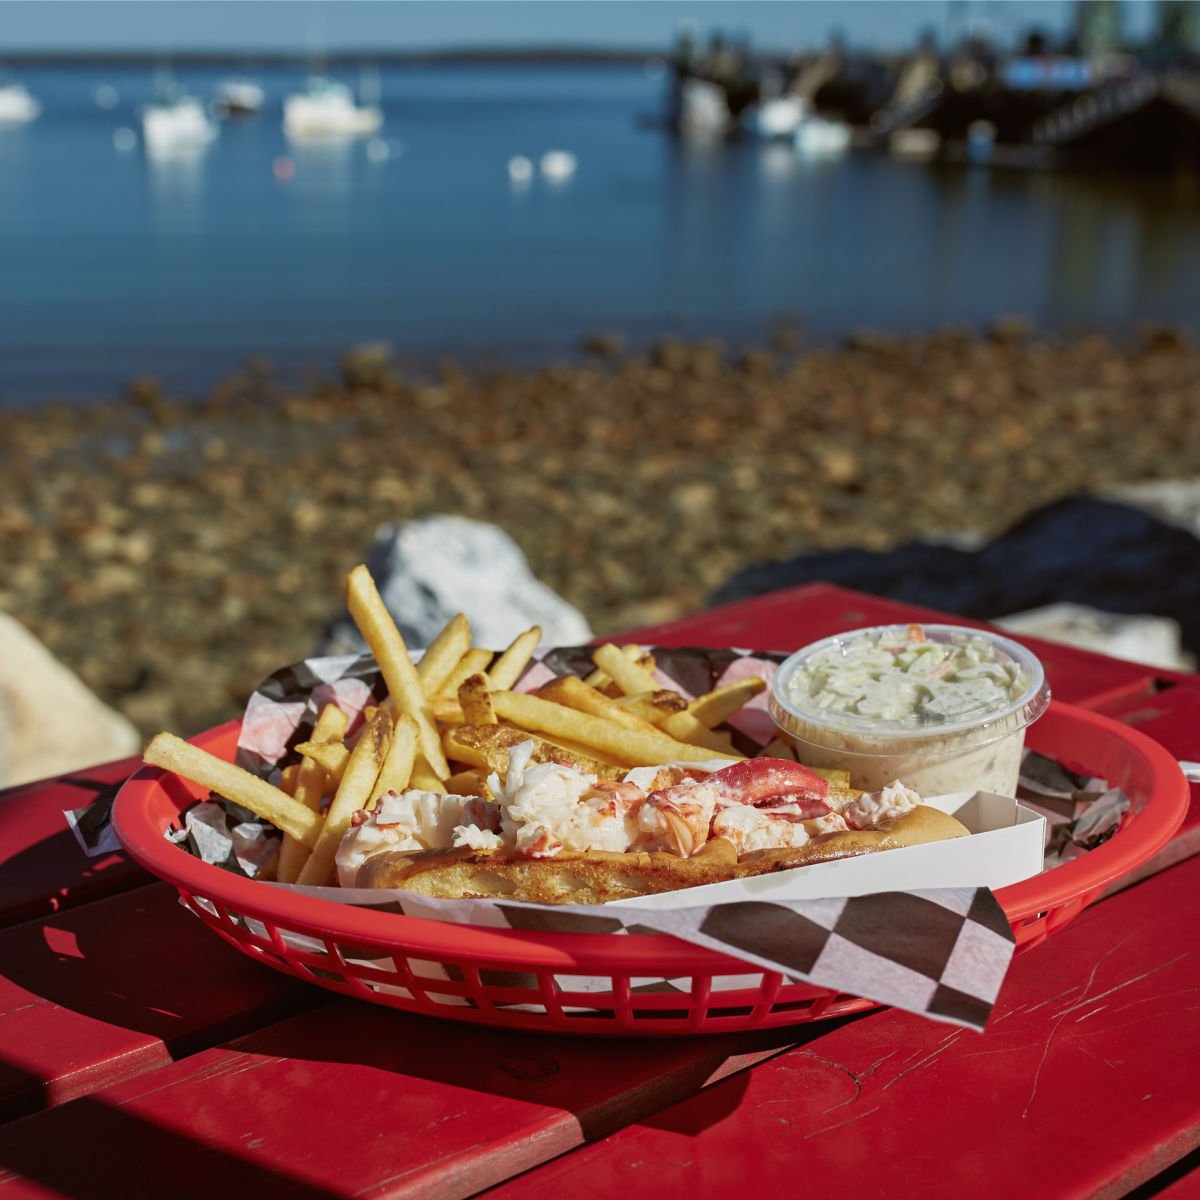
530	980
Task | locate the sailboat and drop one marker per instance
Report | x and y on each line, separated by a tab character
17	106
327	108
238	97
175	122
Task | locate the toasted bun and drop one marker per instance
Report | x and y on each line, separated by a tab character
594	877
919	825
597	876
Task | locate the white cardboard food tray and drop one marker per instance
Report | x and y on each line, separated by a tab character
1005	847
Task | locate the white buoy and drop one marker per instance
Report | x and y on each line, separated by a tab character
558	164
124	139
520	169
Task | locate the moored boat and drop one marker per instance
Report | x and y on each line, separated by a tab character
327	108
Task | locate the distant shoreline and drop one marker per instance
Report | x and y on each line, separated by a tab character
467	55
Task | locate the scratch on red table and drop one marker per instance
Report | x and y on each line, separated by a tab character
841	1124
936	1052
1084	1001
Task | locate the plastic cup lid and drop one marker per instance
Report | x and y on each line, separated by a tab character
797	714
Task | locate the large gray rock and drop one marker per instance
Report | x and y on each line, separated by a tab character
50	723
430	569
1154	641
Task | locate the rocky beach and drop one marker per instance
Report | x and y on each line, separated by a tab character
173	552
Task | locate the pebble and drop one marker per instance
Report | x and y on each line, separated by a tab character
181	551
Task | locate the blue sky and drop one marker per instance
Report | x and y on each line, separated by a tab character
307	25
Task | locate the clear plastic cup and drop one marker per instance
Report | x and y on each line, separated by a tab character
976	748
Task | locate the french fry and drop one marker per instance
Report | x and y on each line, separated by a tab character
474	696
396	773
447	710
467	783
288	777
310	788
632	747
839	781
654	707
443	654
777	749
716	706
174	754
331	725
423	779
472	662
404	686
635	677
630	677
599	680
332	756
574	693
686	728
487	747
645	660
578	749
506	670
356	790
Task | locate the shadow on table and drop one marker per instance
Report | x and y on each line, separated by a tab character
119	986
601	1083
507	1100
54	873
95	1151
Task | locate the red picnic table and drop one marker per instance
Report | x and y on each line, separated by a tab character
142	1056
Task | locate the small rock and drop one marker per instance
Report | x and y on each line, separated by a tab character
1154	641
1162	337
757	362
670	355
366	366
1012	327
604	345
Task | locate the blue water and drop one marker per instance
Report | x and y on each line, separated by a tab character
112	264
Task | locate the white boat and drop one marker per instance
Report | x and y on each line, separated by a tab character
327	108
779	116
703	111
558	165
520	169
17	106
238	98
176	123
817	137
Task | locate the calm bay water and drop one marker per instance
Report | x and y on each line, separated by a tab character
113	264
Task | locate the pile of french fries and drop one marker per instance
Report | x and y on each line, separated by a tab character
449	721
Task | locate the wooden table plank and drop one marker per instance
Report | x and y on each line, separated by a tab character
356	1100
113	988
42	868
1084	1085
